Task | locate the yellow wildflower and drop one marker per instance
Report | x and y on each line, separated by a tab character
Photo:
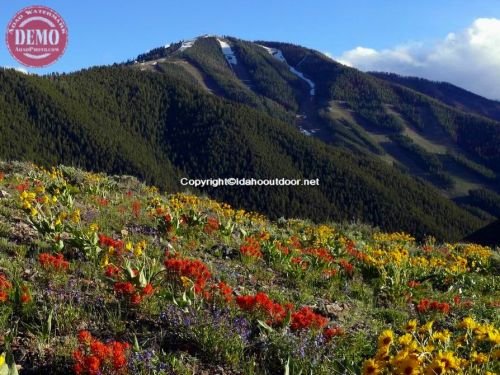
411	326
495	354
406	339
383	354
442	336
468	323
75	216
186	281
105	260
435	368
479	358
427	327
371	367
386	337
406	364
494	335
449	360
481	331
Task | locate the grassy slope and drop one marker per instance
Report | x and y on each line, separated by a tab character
449	94
362	281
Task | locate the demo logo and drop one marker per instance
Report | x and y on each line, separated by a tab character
36	36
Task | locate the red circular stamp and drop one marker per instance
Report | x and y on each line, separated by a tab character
36	36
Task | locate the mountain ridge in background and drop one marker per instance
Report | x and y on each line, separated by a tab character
387	151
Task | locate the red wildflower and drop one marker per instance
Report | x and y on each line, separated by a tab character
413	284
2	176
4	283
282	249
348	267
251	248
444	307
423	305
53	262
212	225
168	222
193	269
295	242
225	291
261	303
110	242
25	297
332	332
300	262
330	272
100	350
148	290
5	287
136	209
124	287
135	299
84	337
3	296
351	250
321	254
103	202
112	271
119	361
93	365
95	357
305	318
427	248
22	186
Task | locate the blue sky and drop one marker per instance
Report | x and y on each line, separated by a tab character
107	31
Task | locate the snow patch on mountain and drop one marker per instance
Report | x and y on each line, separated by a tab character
305	132
228	52
277	54
311	84
186	44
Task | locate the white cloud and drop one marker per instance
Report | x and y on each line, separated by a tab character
18	68
469	58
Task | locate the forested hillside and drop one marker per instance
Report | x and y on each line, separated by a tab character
160	127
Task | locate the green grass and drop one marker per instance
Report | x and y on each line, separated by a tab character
346	275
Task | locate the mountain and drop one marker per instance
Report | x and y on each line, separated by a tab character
222	107
429	136
487	236
447	93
